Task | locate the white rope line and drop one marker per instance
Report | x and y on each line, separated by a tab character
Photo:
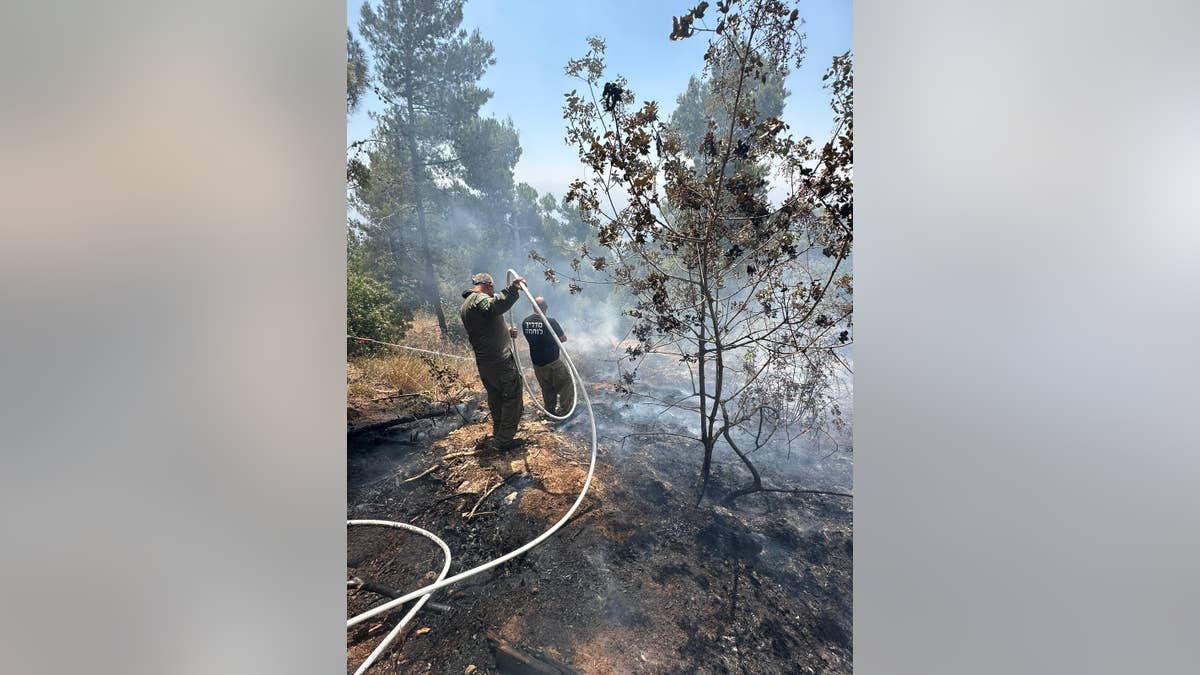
411	349
442	582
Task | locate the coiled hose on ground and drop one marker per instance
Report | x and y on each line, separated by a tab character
443	581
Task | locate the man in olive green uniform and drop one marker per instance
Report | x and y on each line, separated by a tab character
482	314
558	391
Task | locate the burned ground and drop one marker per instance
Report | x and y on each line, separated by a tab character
639	581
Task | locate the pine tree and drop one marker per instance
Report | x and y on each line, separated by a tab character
427	71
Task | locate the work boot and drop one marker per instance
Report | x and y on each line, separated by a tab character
512	445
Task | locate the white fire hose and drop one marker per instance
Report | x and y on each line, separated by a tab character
442	582
420	603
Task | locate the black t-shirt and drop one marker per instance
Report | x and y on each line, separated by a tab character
542	348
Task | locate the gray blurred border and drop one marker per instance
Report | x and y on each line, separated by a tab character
172	266
171	263
1027	286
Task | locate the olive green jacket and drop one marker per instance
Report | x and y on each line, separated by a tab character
483	317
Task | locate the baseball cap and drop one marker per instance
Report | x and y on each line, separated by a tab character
482	278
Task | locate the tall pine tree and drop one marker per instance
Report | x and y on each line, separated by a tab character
427	71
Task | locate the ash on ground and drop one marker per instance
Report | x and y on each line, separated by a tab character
639	581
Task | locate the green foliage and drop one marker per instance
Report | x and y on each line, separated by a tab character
386	236
431	191
357	80
357	73
432	155
427	71
373	311
488	150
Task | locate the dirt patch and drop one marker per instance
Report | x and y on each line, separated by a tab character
546	474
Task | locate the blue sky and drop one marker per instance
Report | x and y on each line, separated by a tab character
534	40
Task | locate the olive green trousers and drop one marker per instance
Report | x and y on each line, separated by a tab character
558	392
503	385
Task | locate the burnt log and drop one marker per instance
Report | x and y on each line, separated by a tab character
387	424
360	584
513	660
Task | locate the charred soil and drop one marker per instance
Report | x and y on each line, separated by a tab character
639	581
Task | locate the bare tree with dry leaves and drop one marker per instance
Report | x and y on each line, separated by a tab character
733	243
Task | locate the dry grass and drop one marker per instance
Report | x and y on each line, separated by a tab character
401	372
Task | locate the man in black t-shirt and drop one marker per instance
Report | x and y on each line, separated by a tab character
558	391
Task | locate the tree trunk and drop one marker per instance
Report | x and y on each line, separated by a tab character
429	280
705	437
704	471
756	481
387	424
708	416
